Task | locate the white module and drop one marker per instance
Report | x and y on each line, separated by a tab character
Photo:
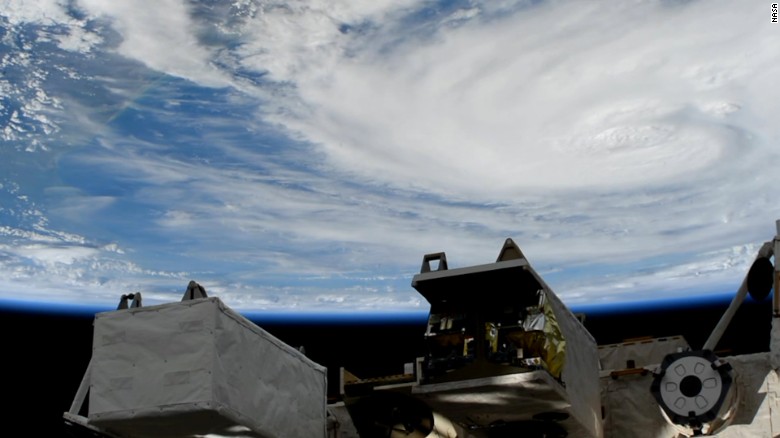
198	368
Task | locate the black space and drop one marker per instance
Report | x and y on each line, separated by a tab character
46	354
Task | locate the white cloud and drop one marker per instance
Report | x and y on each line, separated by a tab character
558	97
602	138
57	24
48	256
161	35
46	12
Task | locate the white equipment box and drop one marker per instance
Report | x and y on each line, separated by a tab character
198	368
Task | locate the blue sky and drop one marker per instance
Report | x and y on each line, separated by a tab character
303	156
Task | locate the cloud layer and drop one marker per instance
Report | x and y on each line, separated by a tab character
305	155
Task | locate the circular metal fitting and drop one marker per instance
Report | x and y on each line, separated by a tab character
691	388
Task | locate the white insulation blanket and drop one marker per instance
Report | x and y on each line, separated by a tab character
197	368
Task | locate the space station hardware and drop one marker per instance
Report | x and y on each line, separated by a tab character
197	368
697	391
638	355
130	301
504	357
748	408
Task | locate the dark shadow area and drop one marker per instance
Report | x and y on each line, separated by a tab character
44	359
747	333
365	348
